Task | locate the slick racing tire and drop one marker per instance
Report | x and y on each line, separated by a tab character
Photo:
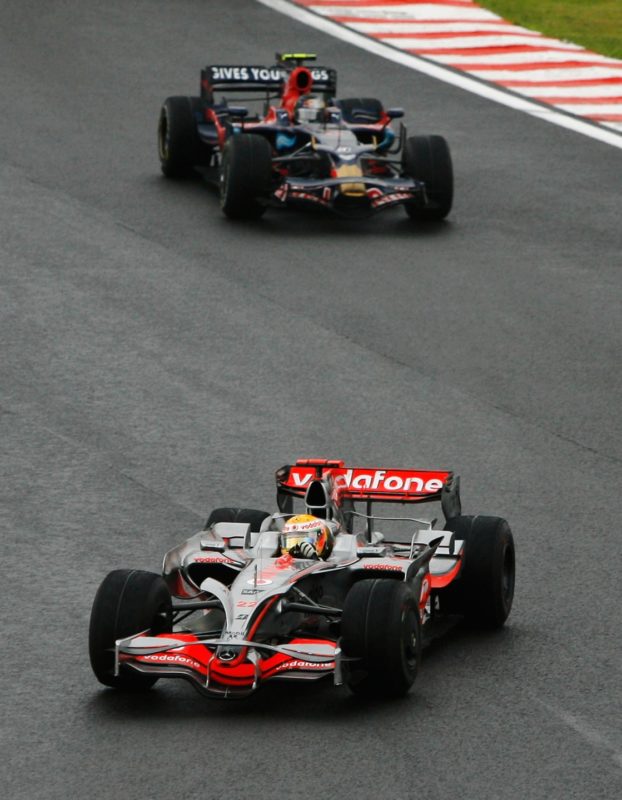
231	514
380	628
427	159
127	602
364	110
484	590
179	146
246	176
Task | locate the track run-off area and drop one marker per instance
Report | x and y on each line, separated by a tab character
462	43
159	360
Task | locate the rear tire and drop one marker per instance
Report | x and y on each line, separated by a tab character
246	176
484	590
380	627
427	159
252	516
179	146
127	602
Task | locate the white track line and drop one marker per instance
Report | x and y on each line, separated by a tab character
407	11
459	42
464	11
598	90
395	26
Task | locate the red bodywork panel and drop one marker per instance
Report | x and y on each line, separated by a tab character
198	657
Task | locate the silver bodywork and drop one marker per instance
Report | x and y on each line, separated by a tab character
254	603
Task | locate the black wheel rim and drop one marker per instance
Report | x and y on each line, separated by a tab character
410	639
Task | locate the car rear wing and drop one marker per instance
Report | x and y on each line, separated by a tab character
371	485
248	78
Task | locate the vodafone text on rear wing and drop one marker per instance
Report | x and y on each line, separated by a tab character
373	484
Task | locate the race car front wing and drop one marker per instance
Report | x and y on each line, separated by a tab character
228	666
345	195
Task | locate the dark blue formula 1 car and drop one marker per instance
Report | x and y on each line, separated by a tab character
303	147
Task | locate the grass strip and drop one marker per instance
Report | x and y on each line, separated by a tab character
595	24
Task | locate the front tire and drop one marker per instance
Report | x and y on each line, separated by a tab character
484	590
380	628
246	176
127	602
427	159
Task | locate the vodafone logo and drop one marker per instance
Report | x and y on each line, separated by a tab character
385	567
376	480
296	664
311	525
173	659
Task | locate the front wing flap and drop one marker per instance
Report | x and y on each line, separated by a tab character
248	663
373	193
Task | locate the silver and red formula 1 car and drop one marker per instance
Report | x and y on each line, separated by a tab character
304	147
232	611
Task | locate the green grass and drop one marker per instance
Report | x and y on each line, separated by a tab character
595	24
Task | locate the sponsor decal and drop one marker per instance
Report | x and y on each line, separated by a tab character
242	616
310	665
309	525
259	581
261	74
251	591
295	195
285	140
320	74
385	567
173	658
246	603
250	74
395	197
213	560
375	480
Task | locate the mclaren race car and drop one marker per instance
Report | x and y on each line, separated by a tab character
250	598
303	146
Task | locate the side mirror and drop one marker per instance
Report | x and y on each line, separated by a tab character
395	113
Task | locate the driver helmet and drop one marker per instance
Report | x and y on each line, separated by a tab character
305	536
310	108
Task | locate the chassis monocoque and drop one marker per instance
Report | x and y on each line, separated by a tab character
230	611
350	162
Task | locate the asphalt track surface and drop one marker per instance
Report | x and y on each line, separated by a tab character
158	360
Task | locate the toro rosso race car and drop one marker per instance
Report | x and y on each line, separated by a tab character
255	596
303	147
